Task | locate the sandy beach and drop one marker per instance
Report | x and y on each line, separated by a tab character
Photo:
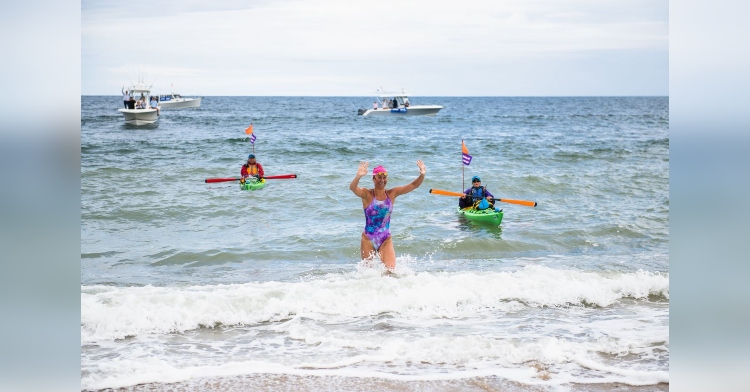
276	382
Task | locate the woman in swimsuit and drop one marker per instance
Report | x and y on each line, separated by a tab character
378	204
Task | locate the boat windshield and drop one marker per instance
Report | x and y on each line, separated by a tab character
141	95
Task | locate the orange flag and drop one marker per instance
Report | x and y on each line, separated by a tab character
463	148
249	130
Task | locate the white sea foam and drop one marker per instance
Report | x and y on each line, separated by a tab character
547	361
119	312
531	326
151	371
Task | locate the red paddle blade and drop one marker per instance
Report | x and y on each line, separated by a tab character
280	176
210	180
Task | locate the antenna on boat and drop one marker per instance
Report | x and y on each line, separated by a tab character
152	83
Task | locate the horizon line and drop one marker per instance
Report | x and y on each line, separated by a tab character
430	96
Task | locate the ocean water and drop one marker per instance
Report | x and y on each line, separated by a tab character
204	284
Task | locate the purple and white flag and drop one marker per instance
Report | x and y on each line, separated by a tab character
252	139
466	159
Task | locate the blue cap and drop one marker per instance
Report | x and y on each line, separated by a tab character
476	178
251	156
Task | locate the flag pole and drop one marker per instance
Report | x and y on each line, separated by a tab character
251	137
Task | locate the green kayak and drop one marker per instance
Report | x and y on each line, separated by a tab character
485	216
252	184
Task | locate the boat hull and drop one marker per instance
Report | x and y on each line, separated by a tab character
482	216
181	103
421	110
139	116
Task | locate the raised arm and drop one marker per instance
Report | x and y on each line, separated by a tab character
354	186
400	190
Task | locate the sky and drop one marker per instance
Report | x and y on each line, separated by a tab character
352	48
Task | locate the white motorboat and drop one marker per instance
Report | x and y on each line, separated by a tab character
136	113
177	101
397	104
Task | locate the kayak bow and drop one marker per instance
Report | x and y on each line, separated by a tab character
484	216
253	184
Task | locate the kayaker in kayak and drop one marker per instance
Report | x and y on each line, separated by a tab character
476	194
378	204
251	168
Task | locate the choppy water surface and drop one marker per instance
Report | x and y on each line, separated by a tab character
183	280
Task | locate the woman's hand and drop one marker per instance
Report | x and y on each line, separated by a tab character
362	171
422	169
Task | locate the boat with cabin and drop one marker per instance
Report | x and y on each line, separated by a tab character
176	101
398	104
139	110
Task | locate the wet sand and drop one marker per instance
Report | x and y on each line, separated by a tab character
291	383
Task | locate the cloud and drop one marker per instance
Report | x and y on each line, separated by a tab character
325	37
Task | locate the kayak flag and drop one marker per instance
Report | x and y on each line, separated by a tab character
249	131
466	158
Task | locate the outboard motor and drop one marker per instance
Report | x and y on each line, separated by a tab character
361	112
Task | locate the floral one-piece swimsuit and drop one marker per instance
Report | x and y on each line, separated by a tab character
378	220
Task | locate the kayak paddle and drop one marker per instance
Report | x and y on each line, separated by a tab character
520	202
279	177
210	180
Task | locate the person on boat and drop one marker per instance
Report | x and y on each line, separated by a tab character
251	168
125	97
131	103
378	204
395	103
155	104
475	195
375	105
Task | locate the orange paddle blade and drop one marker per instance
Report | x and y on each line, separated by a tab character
520	202
445	193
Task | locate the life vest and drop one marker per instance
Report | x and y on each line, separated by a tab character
251	170
477	193
479	198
